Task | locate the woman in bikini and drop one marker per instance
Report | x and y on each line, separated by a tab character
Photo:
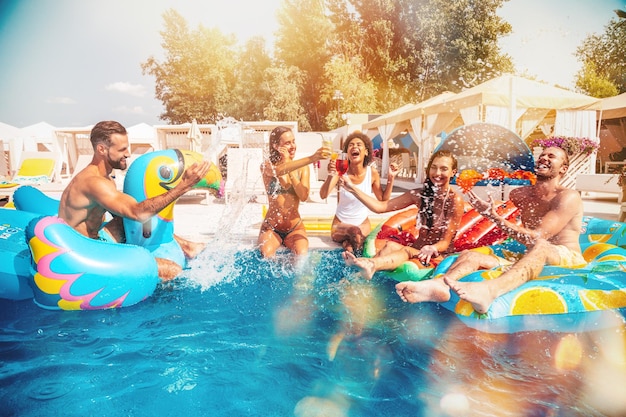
439	216
287	184
351	223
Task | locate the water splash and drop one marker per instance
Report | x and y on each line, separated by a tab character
218	262
229	131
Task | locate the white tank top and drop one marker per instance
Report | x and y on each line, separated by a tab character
349	209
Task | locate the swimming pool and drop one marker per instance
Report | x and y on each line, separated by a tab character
241	336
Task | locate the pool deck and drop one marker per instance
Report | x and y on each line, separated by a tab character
202	220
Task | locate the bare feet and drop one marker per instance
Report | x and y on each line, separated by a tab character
190	249
366	265
348	257
419	291
194	250
167	270
333	345
475	293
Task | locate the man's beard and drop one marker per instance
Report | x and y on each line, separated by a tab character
121	164
544	177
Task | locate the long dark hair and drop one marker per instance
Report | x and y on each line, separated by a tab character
366	141
275	135
427	201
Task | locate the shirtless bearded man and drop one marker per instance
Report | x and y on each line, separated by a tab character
92	193
551	224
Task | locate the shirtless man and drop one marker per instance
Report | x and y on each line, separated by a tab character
92	193
551	224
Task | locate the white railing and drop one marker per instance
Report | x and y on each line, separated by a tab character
578	164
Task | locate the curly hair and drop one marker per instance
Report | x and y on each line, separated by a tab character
366	141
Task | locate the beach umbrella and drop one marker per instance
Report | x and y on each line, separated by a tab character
142	138
195	136
481	146
8	132
40	132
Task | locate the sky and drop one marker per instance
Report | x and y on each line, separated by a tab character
72	63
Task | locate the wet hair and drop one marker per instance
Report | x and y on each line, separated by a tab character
427	201
366	141
275	135
102	132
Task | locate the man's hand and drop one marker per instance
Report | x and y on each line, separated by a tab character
195	173
487	209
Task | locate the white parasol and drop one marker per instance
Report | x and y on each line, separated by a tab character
195	136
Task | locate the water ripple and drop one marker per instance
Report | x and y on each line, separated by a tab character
48	390
103	351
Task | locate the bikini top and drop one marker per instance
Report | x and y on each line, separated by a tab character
276	188
440	220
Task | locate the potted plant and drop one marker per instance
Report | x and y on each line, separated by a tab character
571	145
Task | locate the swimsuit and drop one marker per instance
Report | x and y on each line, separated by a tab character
568	258
276	188
349	209
105	236
281	233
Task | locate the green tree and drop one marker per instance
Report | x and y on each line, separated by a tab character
414	50
284	86
196	79
249	98
302	41
604	59
590	82
359	92
386	49
459	44
379	53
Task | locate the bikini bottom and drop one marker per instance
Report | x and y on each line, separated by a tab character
282	233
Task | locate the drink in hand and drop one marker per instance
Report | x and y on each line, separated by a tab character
342	164
327	144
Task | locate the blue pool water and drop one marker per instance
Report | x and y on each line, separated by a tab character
240	336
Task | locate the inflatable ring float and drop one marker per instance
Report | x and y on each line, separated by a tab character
560	299
43	258
474	231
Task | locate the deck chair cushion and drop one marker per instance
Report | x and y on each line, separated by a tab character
30	179
35	171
